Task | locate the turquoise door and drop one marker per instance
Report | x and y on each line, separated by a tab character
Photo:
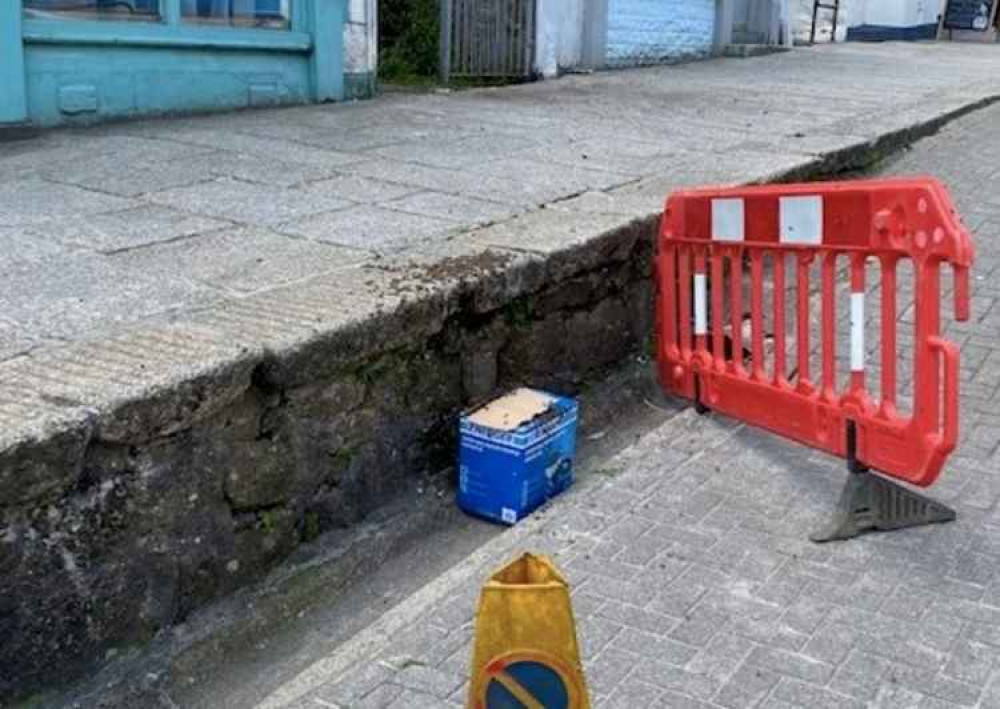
71	61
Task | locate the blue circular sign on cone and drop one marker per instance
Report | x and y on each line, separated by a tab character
527	685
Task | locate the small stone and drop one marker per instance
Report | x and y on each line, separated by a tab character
233	566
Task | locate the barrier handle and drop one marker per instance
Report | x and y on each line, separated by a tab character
949	353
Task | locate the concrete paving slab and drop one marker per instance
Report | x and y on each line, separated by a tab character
34	201
205	133
265	169
456	151
339	137
465	210
91	293
132	179
624	156
246	203
241	260
21	160
128	229
547	231
22	244
549	181
447	180
359	189
14	339
369	227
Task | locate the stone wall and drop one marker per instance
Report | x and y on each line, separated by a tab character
123	531
651	31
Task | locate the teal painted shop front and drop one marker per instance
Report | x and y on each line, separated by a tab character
80	61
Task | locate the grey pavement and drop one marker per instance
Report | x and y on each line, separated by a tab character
119	226
693	581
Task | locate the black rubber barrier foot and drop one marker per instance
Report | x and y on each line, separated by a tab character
870	502
699	407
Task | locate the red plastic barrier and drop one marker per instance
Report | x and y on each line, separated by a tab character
706	239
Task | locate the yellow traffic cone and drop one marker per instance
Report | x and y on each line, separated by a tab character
526	655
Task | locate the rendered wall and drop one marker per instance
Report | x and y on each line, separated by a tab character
559	36
67	84
652	31
899	13
360	48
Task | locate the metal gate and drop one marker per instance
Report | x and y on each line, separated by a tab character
487	39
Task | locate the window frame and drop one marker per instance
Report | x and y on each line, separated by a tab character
171	30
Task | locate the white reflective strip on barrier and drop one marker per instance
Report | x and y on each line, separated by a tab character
801	220
728	223
857	332
700	304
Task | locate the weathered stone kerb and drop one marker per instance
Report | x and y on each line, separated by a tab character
144	475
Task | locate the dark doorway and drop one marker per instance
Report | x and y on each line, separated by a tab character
408	41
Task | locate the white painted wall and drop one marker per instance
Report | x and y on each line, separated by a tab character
850	11
899	13
887	13
770	17
651	31
558	35
635	32
361	37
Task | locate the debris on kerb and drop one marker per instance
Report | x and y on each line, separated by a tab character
515	453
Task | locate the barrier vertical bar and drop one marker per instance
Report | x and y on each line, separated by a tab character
926	372
736	305
803	354
684	299
829	338
718	328
780	375
668	294
857	323
757	312
887	389
700	301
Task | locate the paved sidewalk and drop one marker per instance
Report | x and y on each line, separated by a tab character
106	228
694	584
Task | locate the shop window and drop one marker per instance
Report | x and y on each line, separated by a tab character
93	9
238	13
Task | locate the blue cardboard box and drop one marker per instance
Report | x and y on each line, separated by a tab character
515	453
